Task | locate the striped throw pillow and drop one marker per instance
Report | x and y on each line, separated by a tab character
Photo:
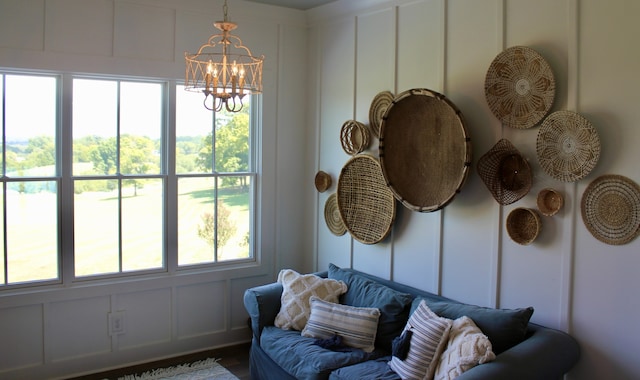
429	338
356	325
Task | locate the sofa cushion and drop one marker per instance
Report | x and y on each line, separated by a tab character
296	291
364	292
302	358
504	327
429	338
356	326
466	348
377	369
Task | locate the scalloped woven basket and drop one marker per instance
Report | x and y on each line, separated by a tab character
523	225
519	87
354	137
367	206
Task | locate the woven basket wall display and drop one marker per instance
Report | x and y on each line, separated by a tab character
354	137
367	206
568	147
519	87
379	106
332	216
322	181
424	148
505	172
523	225
611	209
549	202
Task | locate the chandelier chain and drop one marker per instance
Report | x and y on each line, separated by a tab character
225	10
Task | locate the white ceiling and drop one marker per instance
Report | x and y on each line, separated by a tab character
297	4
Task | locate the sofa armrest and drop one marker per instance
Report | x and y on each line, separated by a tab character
545	354
262	304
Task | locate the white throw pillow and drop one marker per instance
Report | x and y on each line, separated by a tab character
467	347
357	326
296	291
429	338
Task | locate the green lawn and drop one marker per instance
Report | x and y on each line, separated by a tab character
32	238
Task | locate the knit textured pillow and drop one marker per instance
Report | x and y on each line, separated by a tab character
467	347
357	326
296	291
429	338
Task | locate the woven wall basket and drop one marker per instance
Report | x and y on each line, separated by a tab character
505	172
523	225
549	202
425	150
332	216
322	181
568	147
367	206
379	106
611	209
354	137
519	87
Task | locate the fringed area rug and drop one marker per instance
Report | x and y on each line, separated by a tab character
202	370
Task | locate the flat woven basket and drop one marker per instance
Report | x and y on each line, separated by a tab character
379	106
425	150
505	172
519	87
611	209
354	137
568	146
367	206
332	216
523	225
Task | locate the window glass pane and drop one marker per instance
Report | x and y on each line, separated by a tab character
32	231
30	132
96	233
95	116
194	125
142	224
208	234
232	141
140	127
234	219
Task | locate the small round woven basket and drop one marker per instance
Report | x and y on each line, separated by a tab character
322	181
519	87
567	146
332	216
367	206
523	225
549	202
505	172
379	106
611	209
354	137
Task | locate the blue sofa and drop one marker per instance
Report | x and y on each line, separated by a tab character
524	350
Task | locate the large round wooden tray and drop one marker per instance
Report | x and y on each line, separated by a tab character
425	151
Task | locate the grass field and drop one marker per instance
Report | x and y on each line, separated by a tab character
32	234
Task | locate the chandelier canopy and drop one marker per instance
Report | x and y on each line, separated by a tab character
223	69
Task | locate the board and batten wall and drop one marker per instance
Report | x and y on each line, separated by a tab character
60	331
575	282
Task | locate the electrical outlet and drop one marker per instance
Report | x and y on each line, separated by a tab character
117	323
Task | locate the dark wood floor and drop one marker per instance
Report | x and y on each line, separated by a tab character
234	358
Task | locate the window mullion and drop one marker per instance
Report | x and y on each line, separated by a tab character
64	151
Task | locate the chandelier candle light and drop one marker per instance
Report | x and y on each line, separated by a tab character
223	69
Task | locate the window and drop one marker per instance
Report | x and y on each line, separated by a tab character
121	189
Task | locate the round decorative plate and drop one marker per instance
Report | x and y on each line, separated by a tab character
568	147
367	206
332	216
611	209
425	151
379	106
519	87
